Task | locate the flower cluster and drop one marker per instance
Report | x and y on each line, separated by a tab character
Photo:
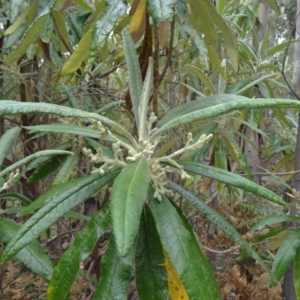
10	182
146	149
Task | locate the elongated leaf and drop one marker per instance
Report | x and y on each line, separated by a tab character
27	159
197	105
198	72
65	272
134	74
285	255
278	48
227	34
200	154
8	107
184	253
32	32
161	10
79	54
32	256
195	110
66	169
137	24
297	273
176	288
59	203
21	197
151	276
272	220
127	200
217	220
272	4
66	128
231	179
114	9
220	161
116	272
47	168
6	141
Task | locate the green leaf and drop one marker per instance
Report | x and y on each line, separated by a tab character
66	128
285	255
65	272
134	74
297	273
272	220
114	9
161	10
127	200
194	111
278	48
272	4
21	197
27	159
32	256
200	74
200	154
185	255
14	108
66	170
47	168
217	220
32	32
6	141
231	179
79	54
115	274
151	276
220	161
58	203
197	105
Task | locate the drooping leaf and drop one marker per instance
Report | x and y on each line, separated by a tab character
151	277
127	200
272	220
138	22
6	141
185	255
66	128
33	255
285	255
217	220
79	54
57	205
8	107
32	32
231	179
115	274
65	272
197	105
191	111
